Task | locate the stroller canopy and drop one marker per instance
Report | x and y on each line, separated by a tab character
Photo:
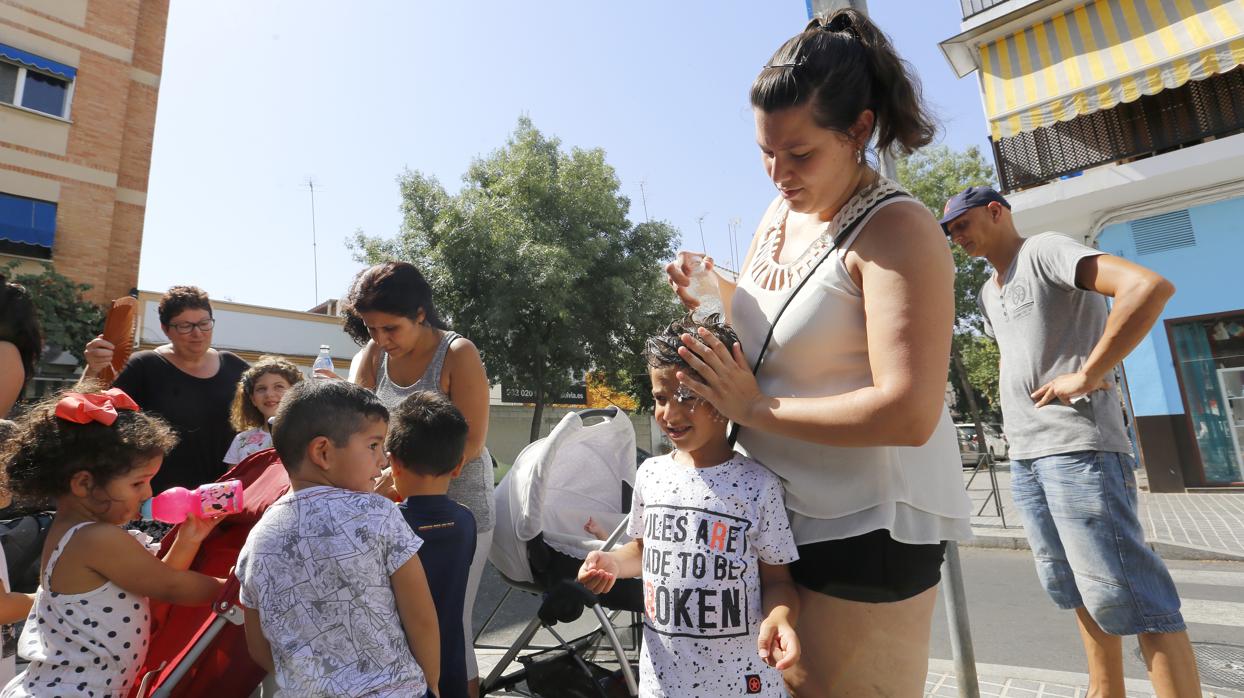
557	483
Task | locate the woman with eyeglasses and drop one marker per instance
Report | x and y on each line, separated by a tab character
187	382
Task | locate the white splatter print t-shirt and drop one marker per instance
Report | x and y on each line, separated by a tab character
705	531
316	567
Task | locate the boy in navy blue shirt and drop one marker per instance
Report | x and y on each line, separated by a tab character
426	442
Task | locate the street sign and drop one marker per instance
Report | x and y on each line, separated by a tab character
574	395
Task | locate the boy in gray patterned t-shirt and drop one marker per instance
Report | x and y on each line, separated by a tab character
336	599
1072	473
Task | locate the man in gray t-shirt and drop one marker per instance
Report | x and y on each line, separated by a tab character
1072	473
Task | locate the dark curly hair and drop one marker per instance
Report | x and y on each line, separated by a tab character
45	452
243	414
181	298
661	350
841	65
396	288
19	324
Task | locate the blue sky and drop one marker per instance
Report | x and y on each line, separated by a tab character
256	97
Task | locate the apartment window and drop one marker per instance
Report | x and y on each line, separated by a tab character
27	226
34	82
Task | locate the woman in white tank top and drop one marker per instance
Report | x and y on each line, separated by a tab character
847	405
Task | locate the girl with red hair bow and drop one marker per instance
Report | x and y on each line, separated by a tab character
94	455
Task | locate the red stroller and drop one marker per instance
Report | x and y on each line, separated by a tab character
202	651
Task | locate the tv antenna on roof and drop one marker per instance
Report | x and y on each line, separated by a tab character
735	222
700	222
315	261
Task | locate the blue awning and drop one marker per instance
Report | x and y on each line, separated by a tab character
30	60
27	221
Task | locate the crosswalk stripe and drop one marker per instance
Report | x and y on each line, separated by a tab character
1212	577
1213	612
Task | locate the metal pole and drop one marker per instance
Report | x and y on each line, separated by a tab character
315	256
957	623
952	572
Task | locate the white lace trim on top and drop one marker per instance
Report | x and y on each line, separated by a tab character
770	274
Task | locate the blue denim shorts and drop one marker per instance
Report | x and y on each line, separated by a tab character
1080	514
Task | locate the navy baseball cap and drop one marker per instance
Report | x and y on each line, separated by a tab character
968	199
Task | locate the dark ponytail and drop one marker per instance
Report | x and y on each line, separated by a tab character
842	65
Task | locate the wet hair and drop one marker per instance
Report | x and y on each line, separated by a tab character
243	414
661	350
182	298
427	434
842	65
396	288
19	324
332	408
45	452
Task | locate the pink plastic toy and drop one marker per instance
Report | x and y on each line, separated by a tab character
213	499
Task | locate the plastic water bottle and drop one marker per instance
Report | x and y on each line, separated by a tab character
324	360
704	288
213	499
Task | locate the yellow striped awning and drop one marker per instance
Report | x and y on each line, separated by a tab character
1103	53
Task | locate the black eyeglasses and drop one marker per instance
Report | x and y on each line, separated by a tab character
188	327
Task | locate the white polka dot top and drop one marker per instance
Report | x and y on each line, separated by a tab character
88	644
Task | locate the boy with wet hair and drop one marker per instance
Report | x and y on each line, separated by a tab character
712	542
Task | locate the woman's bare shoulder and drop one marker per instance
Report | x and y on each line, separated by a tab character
898	229
363	366
463	352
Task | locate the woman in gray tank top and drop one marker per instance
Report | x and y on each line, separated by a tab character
407	348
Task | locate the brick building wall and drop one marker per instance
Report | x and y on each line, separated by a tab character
93	164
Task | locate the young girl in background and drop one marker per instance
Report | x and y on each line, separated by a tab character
94	454
259	394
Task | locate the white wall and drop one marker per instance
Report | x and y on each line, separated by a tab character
256	331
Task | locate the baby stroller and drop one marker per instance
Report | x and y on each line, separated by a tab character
556	484
202	650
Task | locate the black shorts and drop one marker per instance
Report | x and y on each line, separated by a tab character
872	568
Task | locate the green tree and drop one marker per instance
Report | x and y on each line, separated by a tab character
933	175
535	260
67	320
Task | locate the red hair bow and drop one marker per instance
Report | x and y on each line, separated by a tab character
81	408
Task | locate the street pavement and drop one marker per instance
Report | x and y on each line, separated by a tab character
1024	646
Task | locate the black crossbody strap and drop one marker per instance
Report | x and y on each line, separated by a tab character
842	235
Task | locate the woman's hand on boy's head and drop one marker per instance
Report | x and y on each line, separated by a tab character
727	382
778	645
598	572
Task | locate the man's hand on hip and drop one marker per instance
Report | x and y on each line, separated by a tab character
1067	387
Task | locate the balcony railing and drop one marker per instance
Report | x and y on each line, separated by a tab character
1170	119
975	7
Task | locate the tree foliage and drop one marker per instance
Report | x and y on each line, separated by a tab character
67	320
933	175
535	260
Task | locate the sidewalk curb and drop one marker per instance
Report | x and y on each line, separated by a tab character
1165	550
